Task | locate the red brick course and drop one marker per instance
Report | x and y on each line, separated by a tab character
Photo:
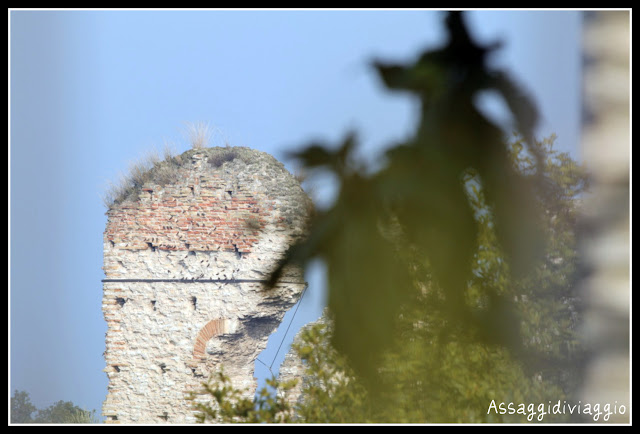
195	222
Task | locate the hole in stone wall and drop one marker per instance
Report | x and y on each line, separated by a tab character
121	301
163	366
194	301
164	416
112	417
238	252
192	252
117	368
153	249
153	304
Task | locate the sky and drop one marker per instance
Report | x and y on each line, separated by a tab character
92	91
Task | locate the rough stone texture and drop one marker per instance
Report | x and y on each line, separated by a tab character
606	246
184	267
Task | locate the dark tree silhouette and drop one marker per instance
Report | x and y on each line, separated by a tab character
420	197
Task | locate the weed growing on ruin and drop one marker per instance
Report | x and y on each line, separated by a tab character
152	167
162	168
199	134
222	156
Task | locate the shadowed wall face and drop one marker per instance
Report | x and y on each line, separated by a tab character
185	262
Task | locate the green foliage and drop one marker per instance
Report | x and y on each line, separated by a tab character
440	371
330	391
59	412
452	269
231	405
420	196
65	412
21	407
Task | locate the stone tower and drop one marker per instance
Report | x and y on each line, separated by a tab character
186	255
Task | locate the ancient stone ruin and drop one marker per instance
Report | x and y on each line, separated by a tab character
186	255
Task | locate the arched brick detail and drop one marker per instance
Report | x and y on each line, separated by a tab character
213	328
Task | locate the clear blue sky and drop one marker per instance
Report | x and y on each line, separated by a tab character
92	90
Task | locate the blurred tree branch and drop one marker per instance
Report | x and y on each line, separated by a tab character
420	197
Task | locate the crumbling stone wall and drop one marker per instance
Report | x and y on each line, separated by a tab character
185	263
